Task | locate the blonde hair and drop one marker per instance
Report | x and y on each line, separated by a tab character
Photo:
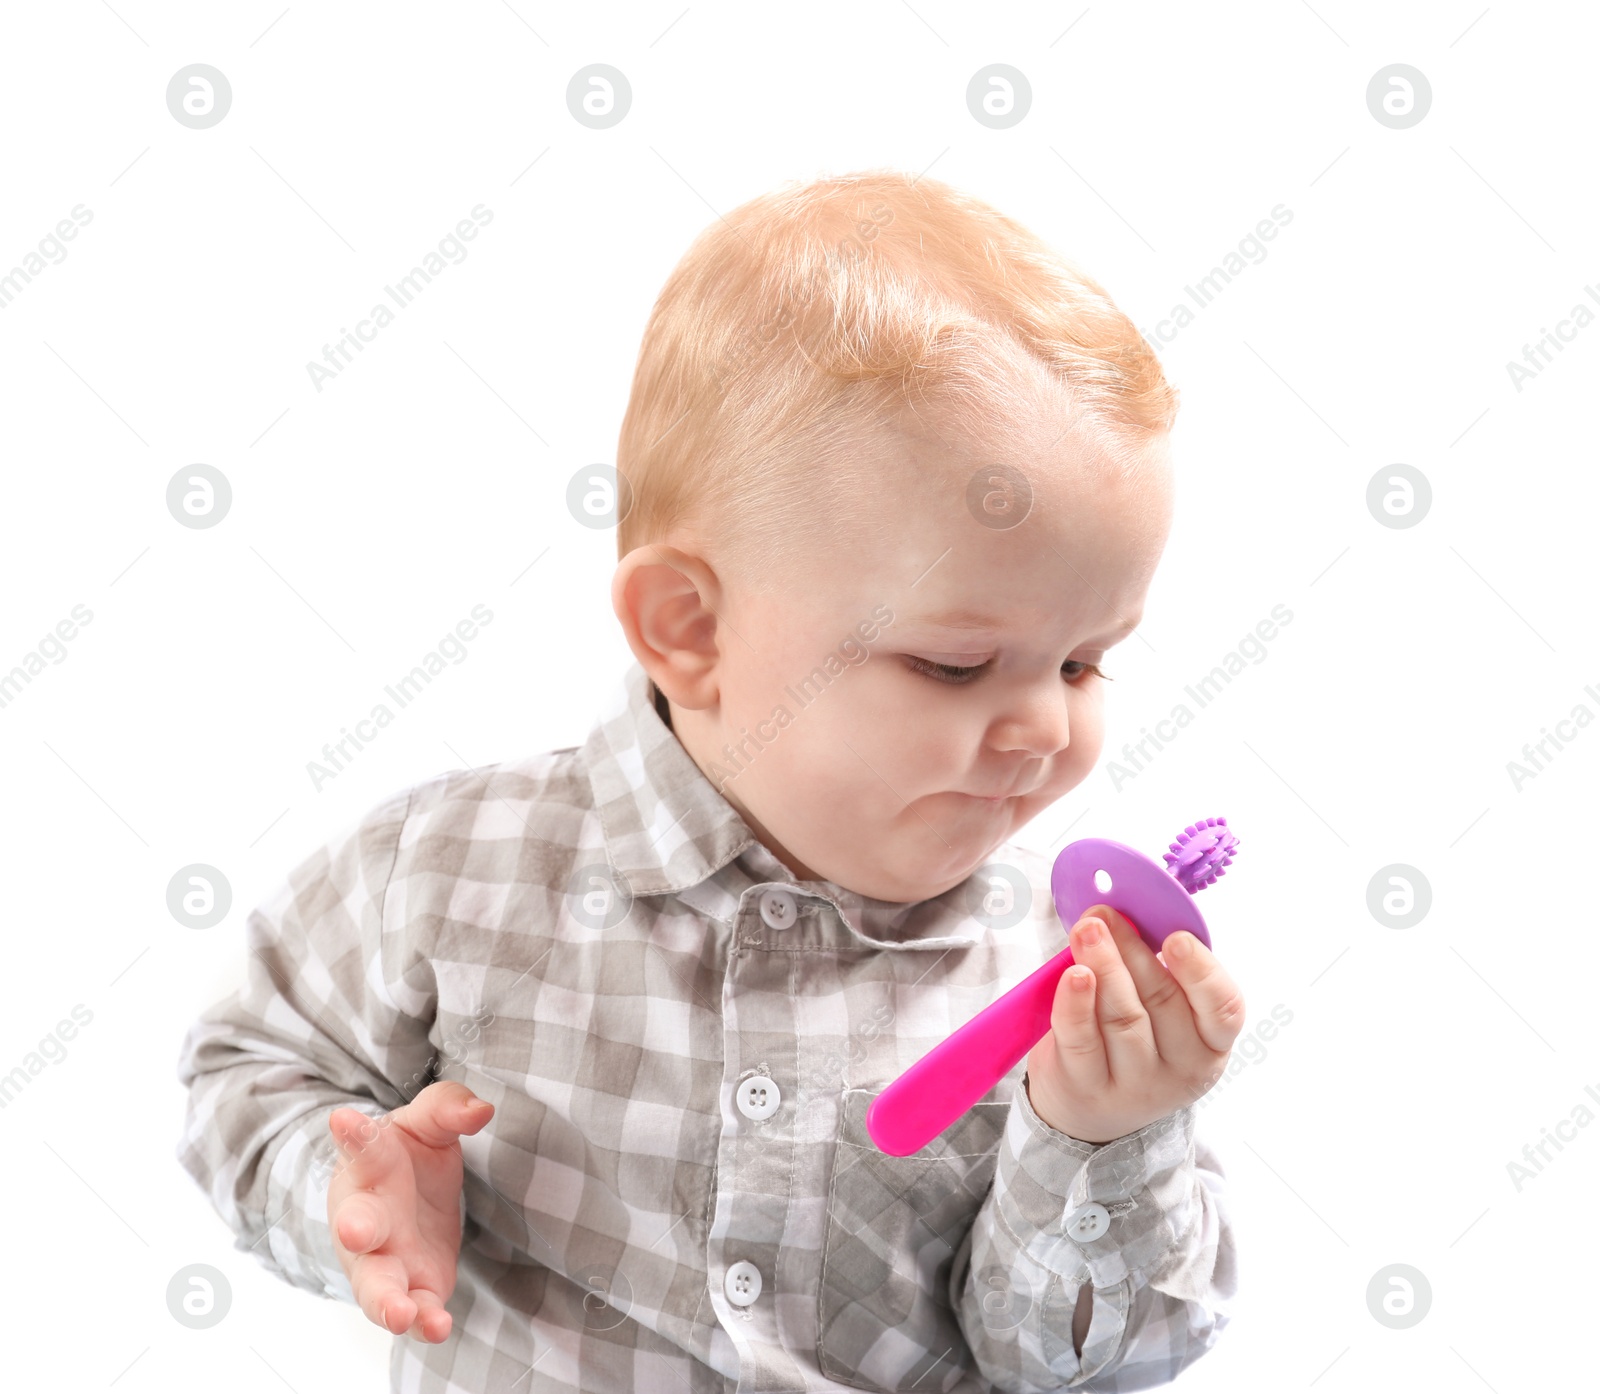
820	306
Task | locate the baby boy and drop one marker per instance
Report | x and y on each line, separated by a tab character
559	1068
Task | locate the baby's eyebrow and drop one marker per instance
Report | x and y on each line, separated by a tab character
975	622
960	619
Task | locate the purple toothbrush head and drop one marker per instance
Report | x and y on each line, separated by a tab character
1156	899
1202	853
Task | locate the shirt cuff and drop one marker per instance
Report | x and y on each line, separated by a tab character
1097	1212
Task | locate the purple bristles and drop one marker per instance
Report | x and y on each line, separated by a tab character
1202	853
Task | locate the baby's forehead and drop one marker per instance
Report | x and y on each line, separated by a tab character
1039	445
943	530
1015	507
1007	494
946	571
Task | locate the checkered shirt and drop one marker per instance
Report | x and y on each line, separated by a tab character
677	1190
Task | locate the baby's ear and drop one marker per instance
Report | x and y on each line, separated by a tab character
668	601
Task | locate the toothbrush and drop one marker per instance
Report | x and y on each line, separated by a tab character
961	1069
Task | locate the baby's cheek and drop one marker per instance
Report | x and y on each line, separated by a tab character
1087	728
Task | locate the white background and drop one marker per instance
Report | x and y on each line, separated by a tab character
430	476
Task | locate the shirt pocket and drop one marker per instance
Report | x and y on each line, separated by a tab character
894	1226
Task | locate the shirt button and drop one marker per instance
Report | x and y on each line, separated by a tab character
1088	1222
777	908
758	1097
743	1284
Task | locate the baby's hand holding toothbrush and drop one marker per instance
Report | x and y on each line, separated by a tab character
1131	1038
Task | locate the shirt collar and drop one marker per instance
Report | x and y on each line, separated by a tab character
667	829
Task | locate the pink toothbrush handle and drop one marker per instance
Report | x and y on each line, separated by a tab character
961	1069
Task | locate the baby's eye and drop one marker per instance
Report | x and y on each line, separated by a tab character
1079	669
946	672
1072	670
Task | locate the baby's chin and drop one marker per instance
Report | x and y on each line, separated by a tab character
917	866
921	849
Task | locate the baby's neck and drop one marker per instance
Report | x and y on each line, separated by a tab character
662	705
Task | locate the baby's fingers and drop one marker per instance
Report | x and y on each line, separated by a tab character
361	1221
366	1150
1076	1029
378	1282
432	1322
444	1112
1215	997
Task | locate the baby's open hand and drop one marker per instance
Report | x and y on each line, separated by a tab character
1130	1040
394	1205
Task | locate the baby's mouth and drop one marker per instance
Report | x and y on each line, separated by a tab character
996	798
984	800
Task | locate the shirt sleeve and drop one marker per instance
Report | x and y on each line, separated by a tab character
1142	1219
335	1012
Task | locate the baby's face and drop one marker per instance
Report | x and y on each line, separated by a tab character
897	778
